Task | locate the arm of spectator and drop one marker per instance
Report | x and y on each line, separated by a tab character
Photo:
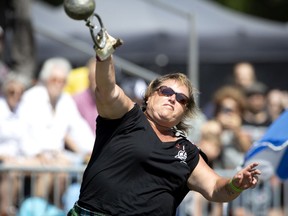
70	144
233	122
243	140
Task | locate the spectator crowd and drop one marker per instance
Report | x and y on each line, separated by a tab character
51	121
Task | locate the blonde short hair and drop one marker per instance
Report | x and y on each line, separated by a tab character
191	106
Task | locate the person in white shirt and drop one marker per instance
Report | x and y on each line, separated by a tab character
11	132
10	128
57	135
52	116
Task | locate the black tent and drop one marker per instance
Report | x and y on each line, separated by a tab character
149	30
157	35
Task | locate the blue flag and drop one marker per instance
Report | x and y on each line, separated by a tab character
272	150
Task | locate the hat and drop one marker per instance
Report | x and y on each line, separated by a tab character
256	88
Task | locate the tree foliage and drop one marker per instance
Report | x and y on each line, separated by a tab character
54	2
270	9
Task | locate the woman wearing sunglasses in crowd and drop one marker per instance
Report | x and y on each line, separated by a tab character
142	163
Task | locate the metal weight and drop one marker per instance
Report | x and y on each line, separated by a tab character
79	9
84	10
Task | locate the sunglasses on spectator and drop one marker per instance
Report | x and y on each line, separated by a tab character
227	110
168	92
57	80
12	92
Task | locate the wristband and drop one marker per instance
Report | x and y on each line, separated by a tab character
236	189
98	59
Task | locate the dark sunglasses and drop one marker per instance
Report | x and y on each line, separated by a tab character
168	92
226	110
12	92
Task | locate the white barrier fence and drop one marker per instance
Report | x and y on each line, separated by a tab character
269	198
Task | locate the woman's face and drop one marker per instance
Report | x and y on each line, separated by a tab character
166	110
229	114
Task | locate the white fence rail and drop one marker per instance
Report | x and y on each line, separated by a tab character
269	198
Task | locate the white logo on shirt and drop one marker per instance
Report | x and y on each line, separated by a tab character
182	155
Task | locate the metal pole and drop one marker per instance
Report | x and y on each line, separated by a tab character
285	197
192	61
193	54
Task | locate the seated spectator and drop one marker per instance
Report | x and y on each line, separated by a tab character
256	118
53	118
85	100
10	127
53	122
11	133
230	105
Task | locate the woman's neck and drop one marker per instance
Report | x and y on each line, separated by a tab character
159	129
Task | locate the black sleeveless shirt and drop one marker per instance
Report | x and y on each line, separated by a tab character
132	172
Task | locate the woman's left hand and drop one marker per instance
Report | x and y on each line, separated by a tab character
247	177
